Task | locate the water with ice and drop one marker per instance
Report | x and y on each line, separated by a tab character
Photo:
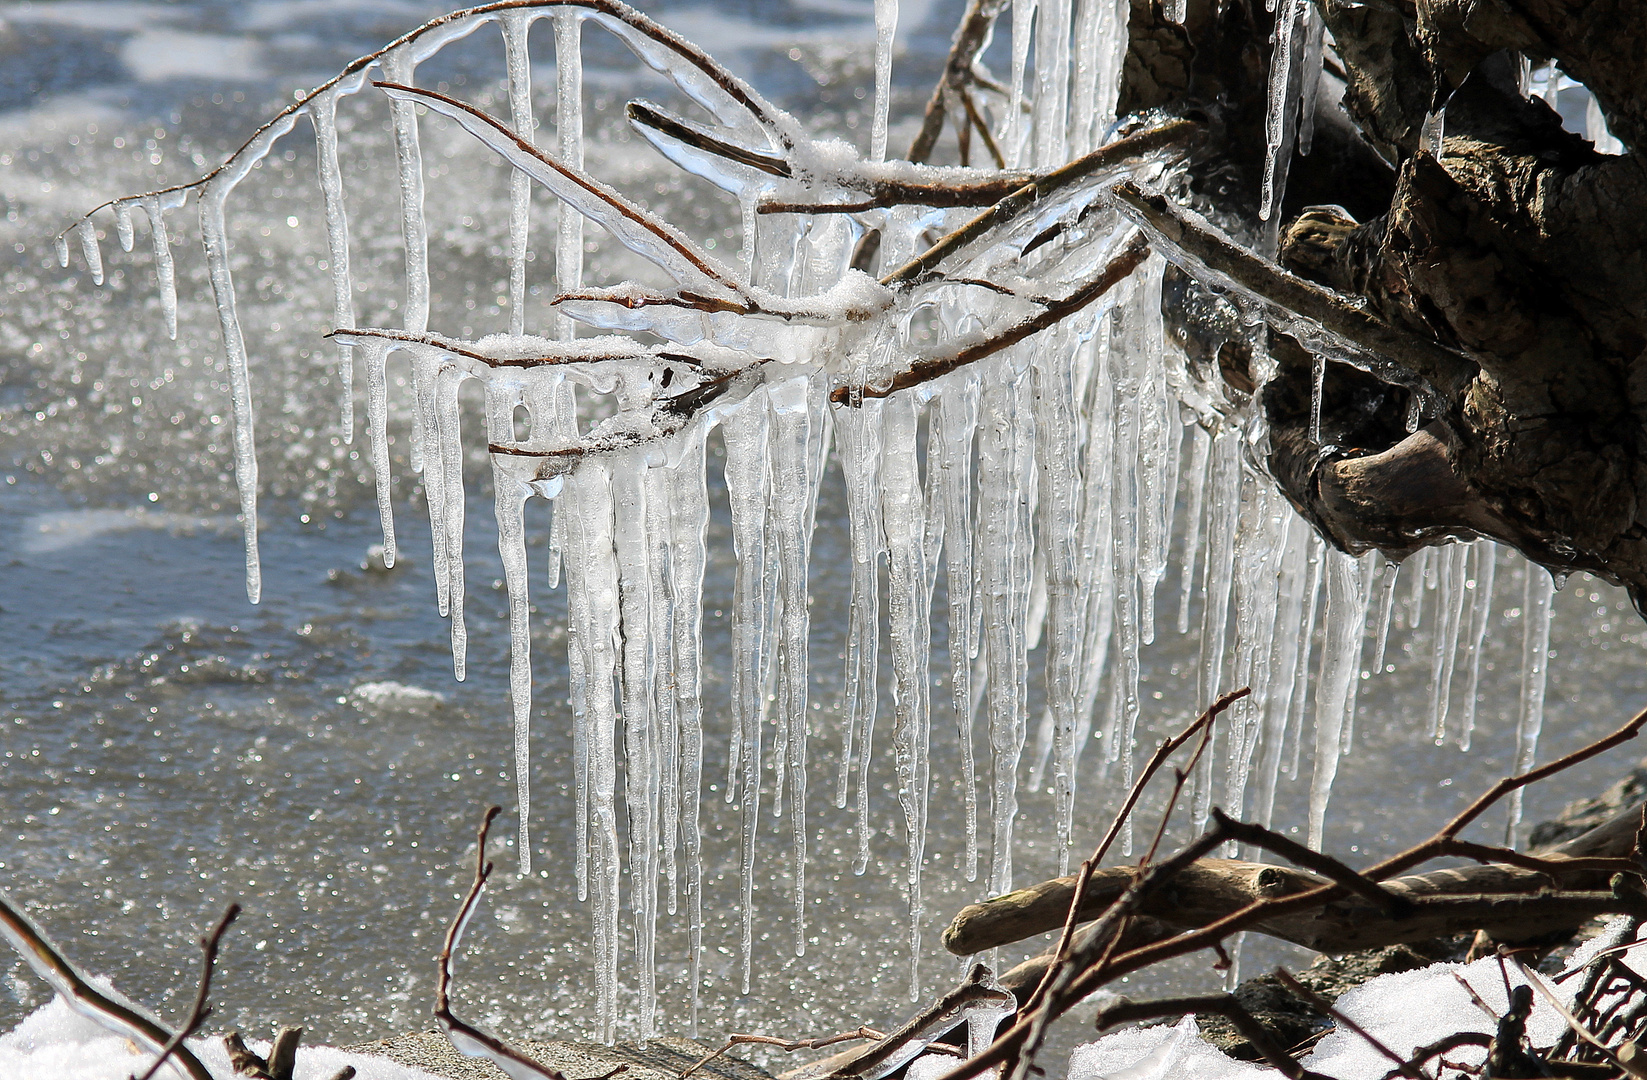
971	606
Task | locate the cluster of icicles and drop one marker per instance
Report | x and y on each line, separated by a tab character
1048	497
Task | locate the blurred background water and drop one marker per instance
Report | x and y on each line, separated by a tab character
166	748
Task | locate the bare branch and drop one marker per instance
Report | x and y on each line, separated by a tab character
466	1039
198	1014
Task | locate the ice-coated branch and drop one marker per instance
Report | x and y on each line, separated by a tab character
1055	312
988	189
71	983
960	74
466	1039
1195	241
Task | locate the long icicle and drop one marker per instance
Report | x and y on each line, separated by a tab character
1537	598
322	110
516	26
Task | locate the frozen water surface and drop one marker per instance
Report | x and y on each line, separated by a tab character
167	747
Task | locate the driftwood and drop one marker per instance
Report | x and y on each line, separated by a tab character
1507	901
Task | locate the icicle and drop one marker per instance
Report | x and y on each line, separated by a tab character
795	424
1421	570
1259	553
426	367
1595	129
1287	646
1059	536
377	424
1481	610
592	596
123	225
1110	57
859	434
1306	636
689	523
214	236
636	665
745	432
1446	637
1340	666
1281	111
509	503
322	109
1097	538
569	128
515	25
62	248
1386	609
1201	445
1023	17
164	271
1156	463
1006	468
908	612
89	249
449	461
1220	574
1415	412
955	421
1536	605
399	66
1127	497
886	25
1051	83
1318	376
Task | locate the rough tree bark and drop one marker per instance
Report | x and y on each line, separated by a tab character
1519	248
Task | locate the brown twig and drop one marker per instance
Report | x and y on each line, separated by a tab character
64	977
971	35
1172	133
198	1014
465	1038
788	1046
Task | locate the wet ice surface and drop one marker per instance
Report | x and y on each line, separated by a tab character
168	748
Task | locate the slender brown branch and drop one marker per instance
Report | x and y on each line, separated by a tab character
64	977
1394	906
639	112
1118	270
465	1038
982	127
971	35
200	1010
788	1046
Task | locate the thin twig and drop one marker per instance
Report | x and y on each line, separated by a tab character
788	1046
971	35
198	1014
465	1038
1172	133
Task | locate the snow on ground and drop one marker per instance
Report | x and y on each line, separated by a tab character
1404	1011
56	1043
